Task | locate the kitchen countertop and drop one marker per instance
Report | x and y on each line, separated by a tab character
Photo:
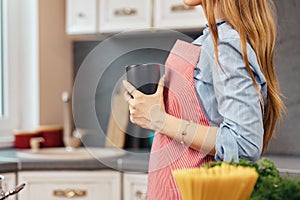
8	166
135	161
286	165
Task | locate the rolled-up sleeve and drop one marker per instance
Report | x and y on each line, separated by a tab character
240	135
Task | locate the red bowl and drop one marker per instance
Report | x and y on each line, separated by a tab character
22	138
52	134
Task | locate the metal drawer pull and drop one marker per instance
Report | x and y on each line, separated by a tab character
141	195
126	12
70	193
81	15
181	8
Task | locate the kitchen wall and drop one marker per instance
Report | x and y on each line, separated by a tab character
287	62
55	60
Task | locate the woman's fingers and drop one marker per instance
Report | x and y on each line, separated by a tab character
142	122
133	91
130	88
161	84
127	96
145	110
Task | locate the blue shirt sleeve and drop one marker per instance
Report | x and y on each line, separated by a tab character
240	135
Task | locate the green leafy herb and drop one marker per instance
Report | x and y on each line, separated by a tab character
270	185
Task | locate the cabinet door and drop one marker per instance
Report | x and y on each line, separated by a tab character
81	16
174	14
9	183
104	185
122	15
135	186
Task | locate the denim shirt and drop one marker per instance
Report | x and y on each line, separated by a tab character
228	96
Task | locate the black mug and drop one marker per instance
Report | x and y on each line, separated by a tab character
144	77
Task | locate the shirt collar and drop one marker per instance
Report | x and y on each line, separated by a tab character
218	22
200	40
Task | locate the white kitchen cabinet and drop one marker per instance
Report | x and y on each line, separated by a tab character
122	15
9	183
112	16
134	186
80	185
81	17
174	14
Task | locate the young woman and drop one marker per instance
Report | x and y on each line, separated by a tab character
230	70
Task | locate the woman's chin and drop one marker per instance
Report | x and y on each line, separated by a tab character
192	2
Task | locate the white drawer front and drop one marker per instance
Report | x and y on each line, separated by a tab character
122	15
81	16
71	185
135	186
174	14
68	191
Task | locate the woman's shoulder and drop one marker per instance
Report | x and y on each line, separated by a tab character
226	34
229	42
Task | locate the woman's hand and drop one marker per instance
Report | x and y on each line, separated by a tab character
147	111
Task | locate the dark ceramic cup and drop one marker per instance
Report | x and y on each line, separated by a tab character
144	77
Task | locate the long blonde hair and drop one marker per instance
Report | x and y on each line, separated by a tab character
254	20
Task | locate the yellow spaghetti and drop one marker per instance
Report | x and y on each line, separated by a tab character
217	183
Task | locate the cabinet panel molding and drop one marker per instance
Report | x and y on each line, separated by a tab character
83	185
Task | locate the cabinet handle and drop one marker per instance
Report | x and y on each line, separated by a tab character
125	12
70	193
81	15
141	195
181	8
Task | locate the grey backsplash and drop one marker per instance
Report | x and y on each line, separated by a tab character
287	61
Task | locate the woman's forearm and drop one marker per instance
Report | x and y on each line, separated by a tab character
199	137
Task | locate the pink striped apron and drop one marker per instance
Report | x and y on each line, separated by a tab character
180	101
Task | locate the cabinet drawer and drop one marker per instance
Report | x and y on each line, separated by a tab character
174	14
81	16
104	185
135	186
121	15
